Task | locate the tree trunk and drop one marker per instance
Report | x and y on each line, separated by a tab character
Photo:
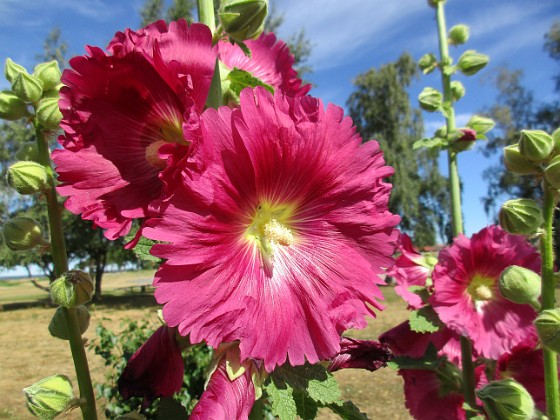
100	264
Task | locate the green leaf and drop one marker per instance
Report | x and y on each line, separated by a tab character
142	250
281	397
348	411
424	320
306	407
429	143
171	409
240	79
421	291
405	362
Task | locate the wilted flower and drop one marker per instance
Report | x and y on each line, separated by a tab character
360	354
278	241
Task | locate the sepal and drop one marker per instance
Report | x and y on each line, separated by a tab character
49	397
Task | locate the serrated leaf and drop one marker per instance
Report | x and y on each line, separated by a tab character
348	411
424	320
142	250
171	409
405	362
421	291
281	398
429	143
306	407
240	79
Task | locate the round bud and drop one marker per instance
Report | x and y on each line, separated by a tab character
556	139
521	285
58	327
457	90
48	73
458	34
427	63
517	163
472	62
11	106
521	216
48	113
507	399
552	172
11	70
22	234
430	99
548	328
27	177
243	19
27	87
535	145
72	289
49	397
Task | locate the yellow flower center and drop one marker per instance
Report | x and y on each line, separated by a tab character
481	288
270	227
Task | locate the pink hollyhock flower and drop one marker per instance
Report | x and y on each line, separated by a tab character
410	269
466	295
118	110
360	354
279	241
155	370
468	134
270	61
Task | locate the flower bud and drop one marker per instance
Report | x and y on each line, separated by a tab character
552	172
535	145
22	234
27	87
520	216
48	113
472	62
459	34
11	70
517	163
463	139
481	125
548	328
11	106
427	63
556	138
507	399
48	73
72	289
243	19
49	397
430	99
58	326
521	285
27	177
457	90
28	151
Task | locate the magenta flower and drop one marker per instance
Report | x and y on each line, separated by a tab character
468	134
118	110
270	61
279	240
155	370
466	295
360	354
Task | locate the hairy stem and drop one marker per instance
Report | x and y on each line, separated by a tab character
60	258
206	15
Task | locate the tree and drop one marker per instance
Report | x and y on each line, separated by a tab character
151	11
380	108
180	9
54	48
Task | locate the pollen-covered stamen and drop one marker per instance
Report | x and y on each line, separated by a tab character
277	233
481	288
270	227
152	155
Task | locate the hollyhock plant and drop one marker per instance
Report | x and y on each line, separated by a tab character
118	110
360	354
466	295
279	239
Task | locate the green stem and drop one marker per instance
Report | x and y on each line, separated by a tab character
549	302
455	191
206	15
58	252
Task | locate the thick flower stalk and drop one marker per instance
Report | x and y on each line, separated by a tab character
282	227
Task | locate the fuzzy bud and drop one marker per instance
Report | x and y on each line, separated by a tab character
243	19
459	34
430	99
48	113
22	234
556	138
517	163
535	145
58	326
72	289
28	151
27	87
11	106
427	63
472	62
507	399
12	69
457	90
49	397
27	177
548	328
481	125
521	285
521	216
49	73
552	172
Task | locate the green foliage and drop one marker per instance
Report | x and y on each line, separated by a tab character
117	348
240	79
424	320
151	11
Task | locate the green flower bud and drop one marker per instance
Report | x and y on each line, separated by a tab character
481	125
556	139
11	106
517	163
27	87
521	216
521	285
22	234
49	397
28	151
27	177
472	62
457	90
48	73
535	145
552	172
548	328
427	63
58	326
430	99
507	399
459	34
11	70
48	113
243	19
72	289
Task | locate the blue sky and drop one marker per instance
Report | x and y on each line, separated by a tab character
346	41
